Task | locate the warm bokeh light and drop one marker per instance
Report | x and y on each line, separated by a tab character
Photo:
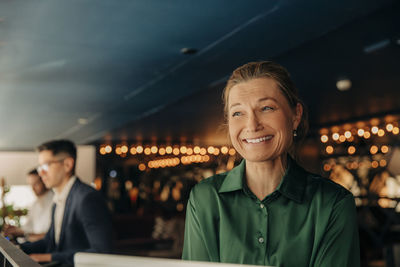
108	149
142	167
354	165
381	132
196	150
373	150
206	158
367	135
132	150
103	151
168	149
216	151
118	150
224	150
329	149
147	151
154	149
347	134
189	151
389	127
210	150
124	149
183	149
161	151
374	164
175	151
351	150
374	130
324	138
342	138
203	151
139	149
395	130
382	163
232	151
385	149
327	167
335	136
360	132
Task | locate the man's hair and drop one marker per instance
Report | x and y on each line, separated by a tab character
60	147
33	172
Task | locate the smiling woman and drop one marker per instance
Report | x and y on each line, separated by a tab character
269	210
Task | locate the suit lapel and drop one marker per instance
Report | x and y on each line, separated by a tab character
67	210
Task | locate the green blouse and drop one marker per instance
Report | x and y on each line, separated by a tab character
307	221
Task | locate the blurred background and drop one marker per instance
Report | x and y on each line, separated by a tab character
138	84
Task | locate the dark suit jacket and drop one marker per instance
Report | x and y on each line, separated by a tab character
86	227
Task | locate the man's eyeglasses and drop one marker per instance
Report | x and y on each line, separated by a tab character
45	166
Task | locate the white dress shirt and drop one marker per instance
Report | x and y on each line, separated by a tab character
60	199
39	214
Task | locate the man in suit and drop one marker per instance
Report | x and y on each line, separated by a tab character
80	219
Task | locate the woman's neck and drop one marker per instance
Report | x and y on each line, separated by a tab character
264	177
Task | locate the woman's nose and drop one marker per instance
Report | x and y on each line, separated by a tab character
253	122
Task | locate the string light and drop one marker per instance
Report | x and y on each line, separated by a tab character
395	130
351	150
389	127
329	149
232	151
139	149
168	149
374	130
133	150
347	134
183	149
124	149
161	151
335	136
360	132
108	149
142	167
381	132
373	150
384	149
367	135
224	150
324	138
154	149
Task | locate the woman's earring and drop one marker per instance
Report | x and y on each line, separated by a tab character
295	133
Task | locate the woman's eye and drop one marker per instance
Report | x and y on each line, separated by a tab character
235	114
267	108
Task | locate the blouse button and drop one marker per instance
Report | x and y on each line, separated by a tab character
261	240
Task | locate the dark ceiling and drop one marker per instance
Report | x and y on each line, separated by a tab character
97	70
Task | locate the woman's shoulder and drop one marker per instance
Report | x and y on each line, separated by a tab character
209	186
326	188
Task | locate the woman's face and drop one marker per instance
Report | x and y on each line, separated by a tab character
260	120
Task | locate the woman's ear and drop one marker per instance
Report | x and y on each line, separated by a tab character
298	115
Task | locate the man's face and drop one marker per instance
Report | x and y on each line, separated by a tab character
52	169
37	185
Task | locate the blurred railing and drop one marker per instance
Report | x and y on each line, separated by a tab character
13	256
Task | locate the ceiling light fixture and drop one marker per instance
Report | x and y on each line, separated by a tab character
343	84
188	51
